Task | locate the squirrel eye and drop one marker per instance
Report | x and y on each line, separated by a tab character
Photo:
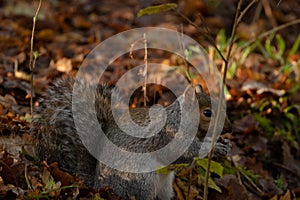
207	112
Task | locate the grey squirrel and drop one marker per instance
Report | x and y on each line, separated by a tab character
59	142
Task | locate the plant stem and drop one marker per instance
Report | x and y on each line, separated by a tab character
33	57
238	16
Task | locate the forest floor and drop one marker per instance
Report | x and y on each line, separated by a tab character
262	89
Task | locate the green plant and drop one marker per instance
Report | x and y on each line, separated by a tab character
275	49
280	182
216	169
50	189
271	111
238	56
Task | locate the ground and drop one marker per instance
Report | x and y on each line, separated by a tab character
262	89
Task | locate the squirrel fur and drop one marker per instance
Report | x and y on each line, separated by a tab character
59	142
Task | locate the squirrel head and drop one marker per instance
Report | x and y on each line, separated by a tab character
208	113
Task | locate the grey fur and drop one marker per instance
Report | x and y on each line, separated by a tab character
58	141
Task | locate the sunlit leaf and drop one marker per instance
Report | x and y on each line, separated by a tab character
268	46
295	47
36	54
170	168
281	45
215	167
155	9
212	184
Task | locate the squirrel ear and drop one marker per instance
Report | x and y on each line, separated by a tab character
198	89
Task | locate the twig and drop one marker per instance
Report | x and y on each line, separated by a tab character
279	2
207	36
283	167
238	16
145	74
245	10
191	167
33	56
268	12
145	71
26	178
273	30
182	48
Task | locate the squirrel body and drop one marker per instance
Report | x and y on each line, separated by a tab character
59	141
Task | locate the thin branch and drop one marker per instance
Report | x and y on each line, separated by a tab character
207	36
245	10
238	16
145	70
279	2
33	56
273	30
182	48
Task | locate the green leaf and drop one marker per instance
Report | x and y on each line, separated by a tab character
48	180
245	53
35	54
212	184
249	175
155	9
215	167
163	170
268	46
170	168
295	47
221	39
213	3
281	45
265	124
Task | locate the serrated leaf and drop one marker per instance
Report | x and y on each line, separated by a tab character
215	167
155	9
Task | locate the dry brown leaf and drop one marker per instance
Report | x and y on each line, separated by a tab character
288	159
235	191
64	65
245	125
58	175
286	196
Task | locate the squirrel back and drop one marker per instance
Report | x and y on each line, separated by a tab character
59	141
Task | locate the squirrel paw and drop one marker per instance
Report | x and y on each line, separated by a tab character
222	147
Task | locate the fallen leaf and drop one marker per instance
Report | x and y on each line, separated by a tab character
235	191
64	65
288	159
260	88
58	175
